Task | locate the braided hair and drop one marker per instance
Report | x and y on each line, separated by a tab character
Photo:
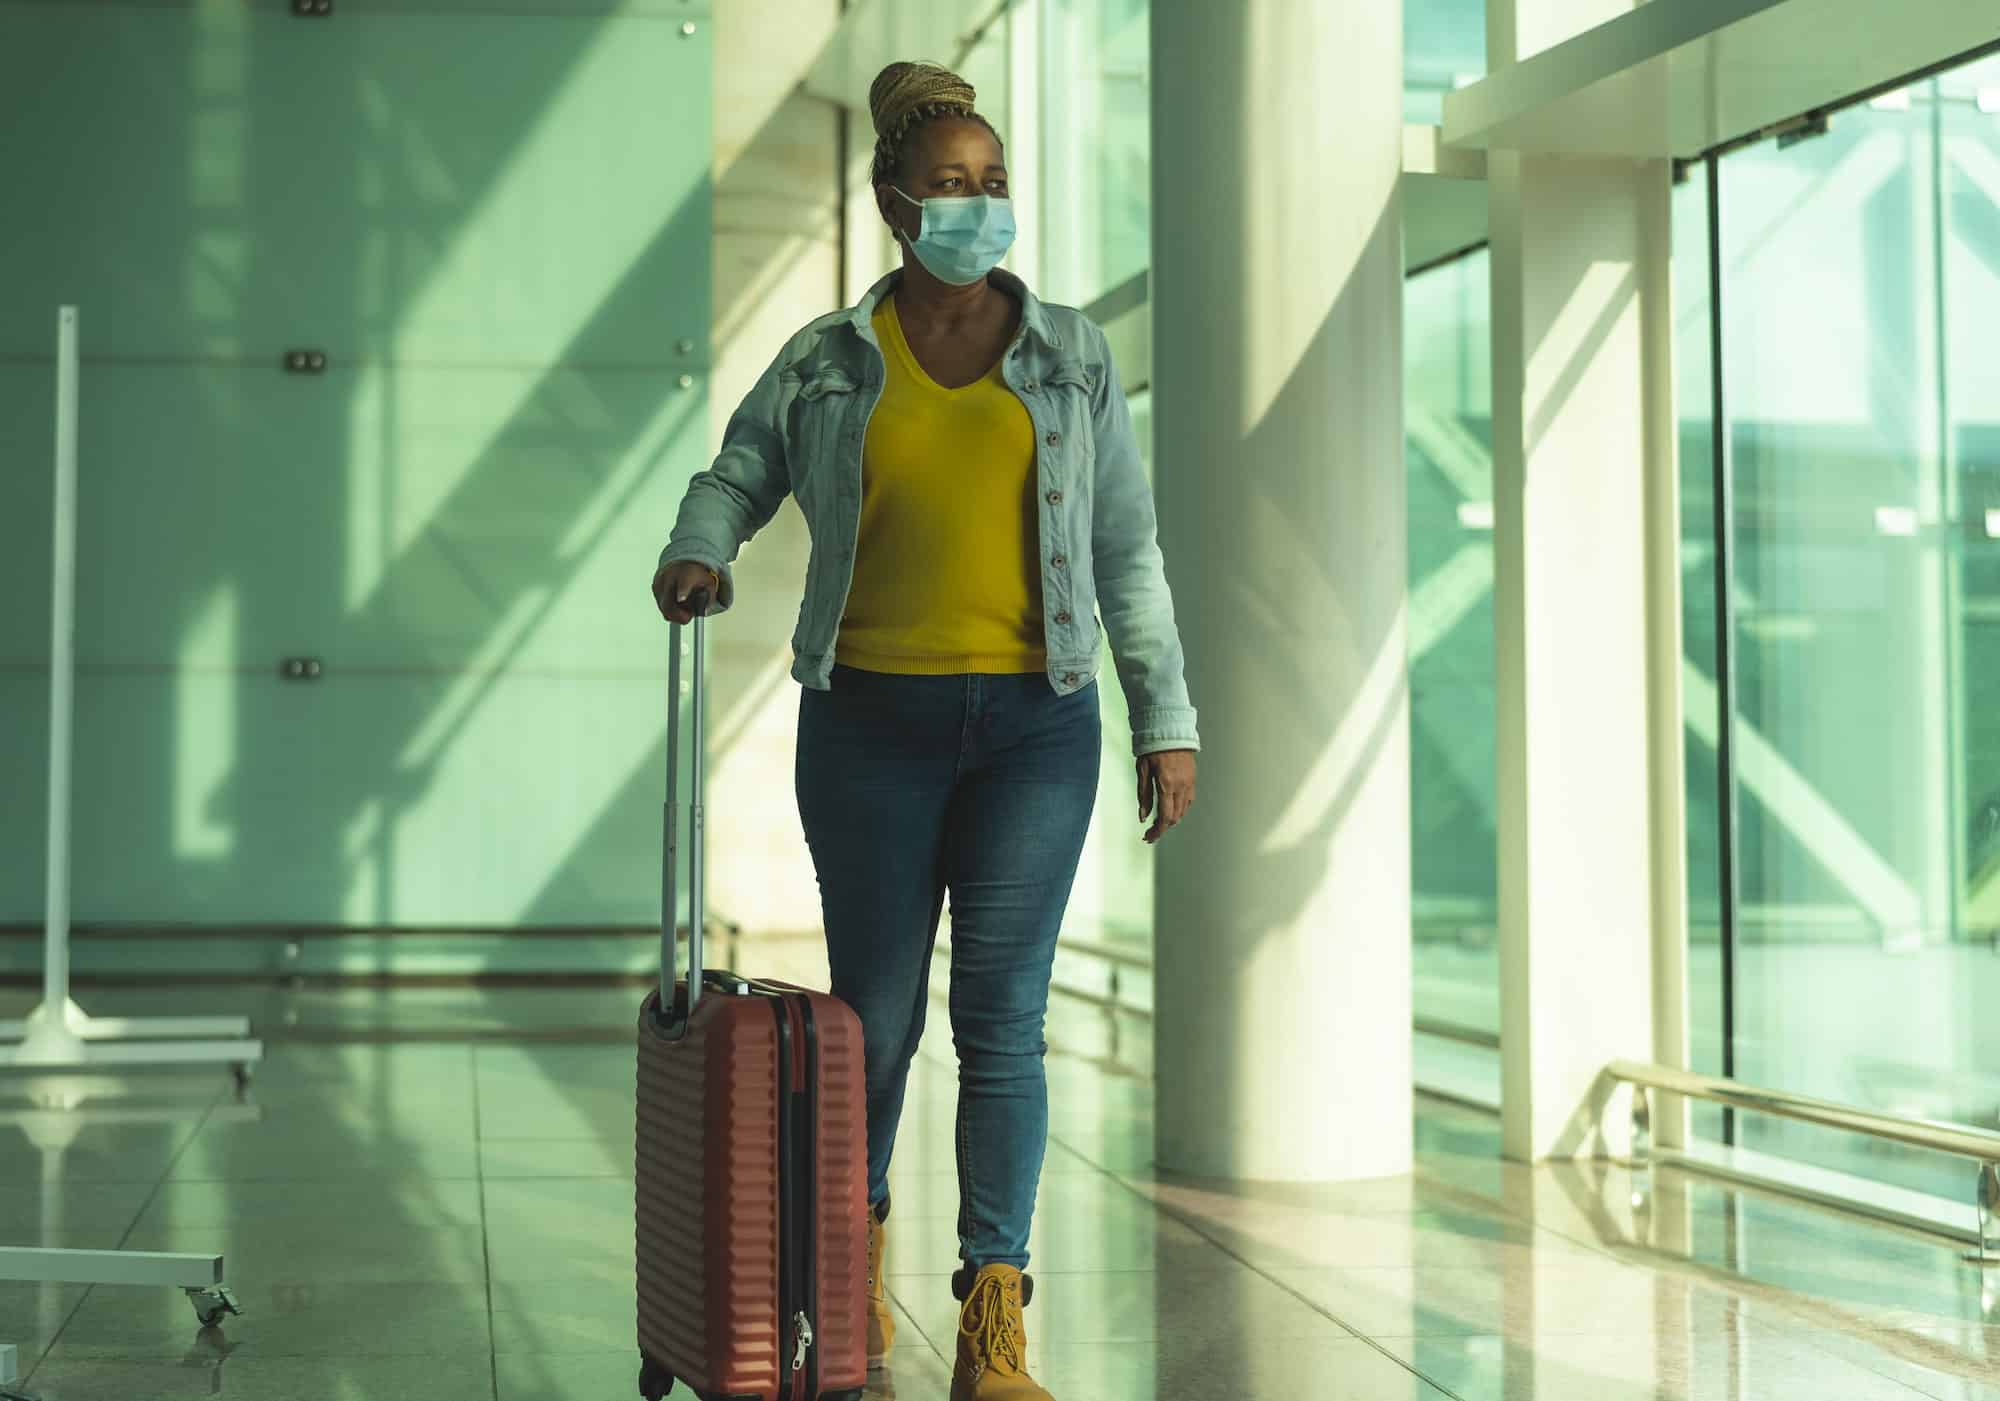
904	99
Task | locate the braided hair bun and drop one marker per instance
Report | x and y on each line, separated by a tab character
904	98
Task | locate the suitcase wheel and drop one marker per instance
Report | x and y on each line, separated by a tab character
655	1381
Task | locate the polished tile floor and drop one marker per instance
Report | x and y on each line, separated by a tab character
429	1196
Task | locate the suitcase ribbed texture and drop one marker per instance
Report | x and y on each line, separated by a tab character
708	1198
843	1195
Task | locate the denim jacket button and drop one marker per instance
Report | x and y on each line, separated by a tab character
1059	561
1063	618
1055	498
1053	439
1069	679
1030	387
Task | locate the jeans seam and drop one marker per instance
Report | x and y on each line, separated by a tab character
968	1185
967	723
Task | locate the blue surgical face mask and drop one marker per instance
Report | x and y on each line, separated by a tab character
962	240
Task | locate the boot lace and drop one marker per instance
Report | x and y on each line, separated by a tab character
989	1322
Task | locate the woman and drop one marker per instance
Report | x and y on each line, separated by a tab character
967	467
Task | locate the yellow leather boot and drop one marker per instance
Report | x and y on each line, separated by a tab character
881	1316
993	1337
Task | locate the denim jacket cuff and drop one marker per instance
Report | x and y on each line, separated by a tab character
1161	727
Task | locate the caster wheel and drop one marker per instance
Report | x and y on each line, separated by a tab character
211	1306
655	1381
244	1075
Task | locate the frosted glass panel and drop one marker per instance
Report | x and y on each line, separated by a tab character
27	478
227	181
432	518
494	218
216	795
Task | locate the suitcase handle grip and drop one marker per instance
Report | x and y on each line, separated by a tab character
698	601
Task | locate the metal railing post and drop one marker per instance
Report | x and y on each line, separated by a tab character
1986	1197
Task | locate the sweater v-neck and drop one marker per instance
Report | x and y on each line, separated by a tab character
899	345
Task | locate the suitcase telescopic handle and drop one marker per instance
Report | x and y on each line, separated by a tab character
697	600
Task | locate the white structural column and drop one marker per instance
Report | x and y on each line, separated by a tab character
1587	623
1282	988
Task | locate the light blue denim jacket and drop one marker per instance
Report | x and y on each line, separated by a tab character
800	431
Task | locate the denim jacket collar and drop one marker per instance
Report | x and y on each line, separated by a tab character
1035	320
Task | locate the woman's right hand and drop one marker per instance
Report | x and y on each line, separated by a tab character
680	582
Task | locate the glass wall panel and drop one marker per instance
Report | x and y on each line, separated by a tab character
985	67
1859	270
1112	901
532	206
1093	79
507	266
1969	137
1444	47
1695	390
1096	197
1448	401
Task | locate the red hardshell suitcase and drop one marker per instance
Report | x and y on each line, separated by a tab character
752	1162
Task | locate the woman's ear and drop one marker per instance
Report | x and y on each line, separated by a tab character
896	212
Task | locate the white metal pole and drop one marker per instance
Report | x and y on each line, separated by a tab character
62	672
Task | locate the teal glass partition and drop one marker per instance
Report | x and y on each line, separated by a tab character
1448	411
1444	47
494	223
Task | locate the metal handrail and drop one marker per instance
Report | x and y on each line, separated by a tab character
1960	1140
1455	1031
1116	958
1981	1145
1107	953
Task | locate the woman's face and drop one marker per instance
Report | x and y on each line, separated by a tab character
948	159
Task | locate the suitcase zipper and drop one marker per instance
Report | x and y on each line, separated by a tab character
809	1163
798	1184
788	1214
802	1329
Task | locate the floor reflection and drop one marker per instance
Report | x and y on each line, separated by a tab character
439	1219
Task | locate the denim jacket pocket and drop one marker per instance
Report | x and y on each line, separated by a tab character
825	398
1070	387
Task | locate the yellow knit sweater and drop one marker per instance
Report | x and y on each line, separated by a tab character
947	572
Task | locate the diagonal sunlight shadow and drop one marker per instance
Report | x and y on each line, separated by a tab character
550	517
462	275
461	522
530	610
1606	295
613	835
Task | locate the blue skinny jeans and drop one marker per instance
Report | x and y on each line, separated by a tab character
980	785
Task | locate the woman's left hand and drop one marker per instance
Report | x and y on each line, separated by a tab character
1167	776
